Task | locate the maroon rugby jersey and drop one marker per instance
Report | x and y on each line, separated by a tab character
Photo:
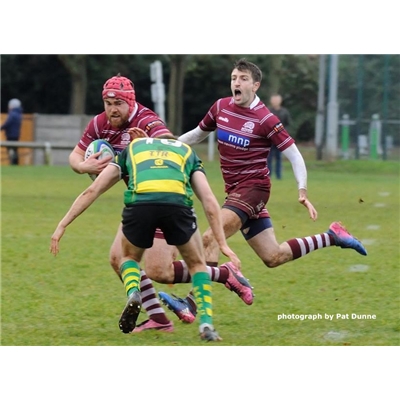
244	139
142	117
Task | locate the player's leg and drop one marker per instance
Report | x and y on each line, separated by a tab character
185	308
231	224
130	275
244	210
261	237
192	253
150	301
157	263
161	266
235	281
179	225
227	273
159	258
134	241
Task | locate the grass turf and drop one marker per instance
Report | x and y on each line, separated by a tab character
75	299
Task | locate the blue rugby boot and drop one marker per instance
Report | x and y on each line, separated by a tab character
344	239
180	307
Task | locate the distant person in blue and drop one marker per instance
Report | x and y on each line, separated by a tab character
12	128
275	155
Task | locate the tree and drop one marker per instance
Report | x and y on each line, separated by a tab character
63	84
75	64
175	92
274	75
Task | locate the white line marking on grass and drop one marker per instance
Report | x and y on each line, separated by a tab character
358	268
368	241
373	227
332	335
379	205
384	194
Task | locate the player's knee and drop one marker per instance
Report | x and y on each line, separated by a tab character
152	271
208	239
158	272
270	265
272	261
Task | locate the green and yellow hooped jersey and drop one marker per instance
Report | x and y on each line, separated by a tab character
159	171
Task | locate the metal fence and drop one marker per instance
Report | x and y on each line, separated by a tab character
373	138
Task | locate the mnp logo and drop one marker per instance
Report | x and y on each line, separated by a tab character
233	139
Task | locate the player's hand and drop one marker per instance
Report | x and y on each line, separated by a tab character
136	133
228	252
55	240
94	166
306	203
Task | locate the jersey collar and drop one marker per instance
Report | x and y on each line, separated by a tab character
254	102
133	112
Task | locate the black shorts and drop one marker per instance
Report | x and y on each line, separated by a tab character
139	224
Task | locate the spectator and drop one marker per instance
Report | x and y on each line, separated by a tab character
275	156
12	127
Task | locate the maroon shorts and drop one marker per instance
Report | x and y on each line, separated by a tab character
159	234
251	200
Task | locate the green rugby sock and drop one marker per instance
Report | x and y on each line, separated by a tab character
130	273
202	291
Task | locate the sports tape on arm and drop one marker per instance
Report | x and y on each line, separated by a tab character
194	136
293	154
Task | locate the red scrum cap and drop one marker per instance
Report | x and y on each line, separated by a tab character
119	87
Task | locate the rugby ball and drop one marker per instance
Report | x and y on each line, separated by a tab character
96	146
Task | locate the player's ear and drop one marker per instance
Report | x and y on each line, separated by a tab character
256	86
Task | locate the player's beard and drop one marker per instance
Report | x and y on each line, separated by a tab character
117	121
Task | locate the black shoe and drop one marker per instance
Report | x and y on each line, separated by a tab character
129	316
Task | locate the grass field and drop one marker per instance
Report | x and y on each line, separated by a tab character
75	299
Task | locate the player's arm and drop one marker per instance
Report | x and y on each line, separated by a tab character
89	166
212	210
293	154
109	177
76	158
194	136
